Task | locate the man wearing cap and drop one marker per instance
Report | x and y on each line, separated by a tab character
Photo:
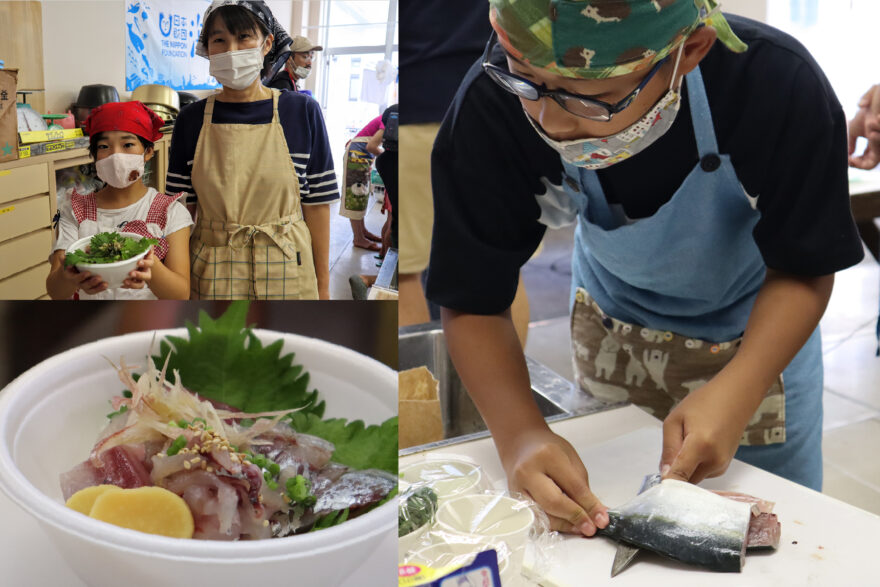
298	67
708	184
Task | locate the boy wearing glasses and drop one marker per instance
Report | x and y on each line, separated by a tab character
709	187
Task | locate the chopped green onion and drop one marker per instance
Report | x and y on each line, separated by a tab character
178	444
298	490
275	469
182	423
202	420
121	410
126	393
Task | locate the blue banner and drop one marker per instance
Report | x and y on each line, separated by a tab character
160	44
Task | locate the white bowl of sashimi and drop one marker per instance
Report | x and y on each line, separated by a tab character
251	493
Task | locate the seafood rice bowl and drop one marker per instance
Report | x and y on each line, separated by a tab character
52	415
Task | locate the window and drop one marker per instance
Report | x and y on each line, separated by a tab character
358	80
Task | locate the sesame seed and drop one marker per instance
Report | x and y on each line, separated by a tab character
195	461
265	523
186	465
210	468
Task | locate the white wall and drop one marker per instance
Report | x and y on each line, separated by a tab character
84	43
754	9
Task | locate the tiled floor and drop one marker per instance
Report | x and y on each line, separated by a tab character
346	260
851	401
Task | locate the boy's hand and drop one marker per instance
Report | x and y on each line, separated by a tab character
141	276
546	467
702	433
91	284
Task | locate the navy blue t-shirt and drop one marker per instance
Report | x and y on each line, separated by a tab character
304	130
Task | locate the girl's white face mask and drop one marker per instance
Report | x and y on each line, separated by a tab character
237	69
117	169
601	152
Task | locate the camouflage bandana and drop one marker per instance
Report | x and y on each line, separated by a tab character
594	39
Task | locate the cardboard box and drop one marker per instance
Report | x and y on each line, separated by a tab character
418	407
8	115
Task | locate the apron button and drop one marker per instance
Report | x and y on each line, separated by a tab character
607	322
710	163
714	349
579	296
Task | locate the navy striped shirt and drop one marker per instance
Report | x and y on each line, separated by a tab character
304	130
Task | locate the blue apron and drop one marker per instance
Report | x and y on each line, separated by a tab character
693	269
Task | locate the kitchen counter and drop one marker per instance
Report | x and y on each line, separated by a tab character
824	541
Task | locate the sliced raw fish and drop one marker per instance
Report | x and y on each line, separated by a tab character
122	466
352	490
764	532
759	506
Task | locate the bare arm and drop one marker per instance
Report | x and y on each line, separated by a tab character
701	435
488	357
375	142
317	218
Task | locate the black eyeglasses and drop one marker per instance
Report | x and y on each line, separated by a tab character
577	104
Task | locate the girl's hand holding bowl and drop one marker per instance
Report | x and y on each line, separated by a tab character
141	277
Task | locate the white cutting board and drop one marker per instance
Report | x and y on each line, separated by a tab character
837	544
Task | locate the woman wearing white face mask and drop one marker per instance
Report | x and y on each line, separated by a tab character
121	136
709	188
257	165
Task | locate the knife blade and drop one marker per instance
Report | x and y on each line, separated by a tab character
625	553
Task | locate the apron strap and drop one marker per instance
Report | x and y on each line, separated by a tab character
602	213
701	116
209	110
275	94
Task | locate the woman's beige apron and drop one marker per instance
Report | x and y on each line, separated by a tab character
250	240
615	362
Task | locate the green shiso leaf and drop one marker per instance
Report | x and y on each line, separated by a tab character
357	445
109	247
224	361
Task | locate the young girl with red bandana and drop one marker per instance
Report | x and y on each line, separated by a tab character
121	142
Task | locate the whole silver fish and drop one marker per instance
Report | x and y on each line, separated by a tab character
684	522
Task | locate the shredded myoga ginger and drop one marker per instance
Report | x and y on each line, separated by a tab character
156	405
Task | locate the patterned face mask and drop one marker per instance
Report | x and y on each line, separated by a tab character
601	152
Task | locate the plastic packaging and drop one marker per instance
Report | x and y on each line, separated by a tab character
416	508
482	572
470	518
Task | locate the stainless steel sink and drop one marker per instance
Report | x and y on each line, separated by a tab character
425	345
